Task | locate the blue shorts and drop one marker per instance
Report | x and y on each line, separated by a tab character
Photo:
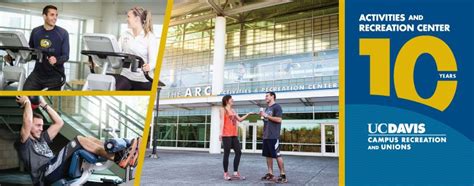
271	148
57	167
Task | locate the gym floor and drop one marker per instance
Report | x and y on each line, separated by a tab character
189	167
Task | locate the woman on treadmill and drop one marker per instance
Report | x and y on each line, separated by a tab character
138	40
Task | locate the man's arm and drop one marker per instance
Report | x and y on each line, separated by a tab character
275	119
31	42
58	123
277	115
27	118
64	50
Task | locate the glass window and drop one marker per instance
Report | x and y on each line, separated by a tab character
166	132
12	20
72	26
301	137
191	135
259	53
36	21
73	47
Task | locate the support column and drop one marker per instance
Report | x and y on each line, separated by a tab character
217	81
110	19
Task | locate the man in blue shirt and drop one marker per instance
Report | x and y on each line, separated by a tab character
272	118
53	41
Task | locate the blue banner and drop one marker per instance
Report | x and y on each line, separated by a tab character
409	92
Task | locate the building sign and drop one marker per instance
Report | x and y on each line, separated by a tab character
191	92
206	91
282	88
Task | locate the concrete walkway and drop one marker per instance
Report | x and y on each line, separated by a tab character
202	168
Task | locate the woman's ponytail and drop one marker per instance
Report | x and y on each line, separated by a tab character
148	25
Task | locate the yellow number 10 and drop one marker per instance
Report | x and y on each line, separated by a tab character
379	51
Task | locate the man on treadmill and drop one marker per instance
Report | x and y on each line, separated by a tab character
45	168
53	41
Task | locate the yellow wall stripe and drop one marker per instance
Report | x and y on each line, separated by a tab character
342	53
154	88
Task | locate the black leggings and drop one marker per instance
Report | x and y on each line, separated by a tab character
37	82
231	142
123	83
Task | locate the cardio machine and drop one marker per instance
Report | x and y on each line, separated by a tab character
15	45
103	51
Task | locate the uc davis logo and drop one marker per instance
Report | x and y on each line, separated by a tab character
45	43
379	51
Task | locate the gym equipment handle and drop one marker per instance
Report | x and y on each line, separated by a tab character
131	57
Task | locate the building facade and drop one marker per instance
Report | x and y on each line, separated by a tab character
290	48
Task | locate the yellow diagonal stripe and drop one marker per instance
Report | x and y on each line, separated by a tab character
154	87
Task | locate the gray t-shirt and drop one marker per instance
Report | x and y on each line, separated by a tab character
35	154
271	130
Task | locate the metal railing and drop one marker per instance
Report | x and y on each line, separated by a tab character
100	112
111	112
129	111
94	113
3	121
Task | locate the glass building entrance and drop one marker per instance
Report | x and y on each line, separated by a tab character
303	137
302	132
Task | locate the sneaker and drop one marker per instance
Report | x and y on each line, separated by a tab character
124	156
226	176
267	176
238	176
282	179
134	159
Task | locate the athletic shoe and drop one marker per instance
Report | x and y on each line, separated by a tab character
124	156
267	176
134	159
226	176
282	179
238	176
